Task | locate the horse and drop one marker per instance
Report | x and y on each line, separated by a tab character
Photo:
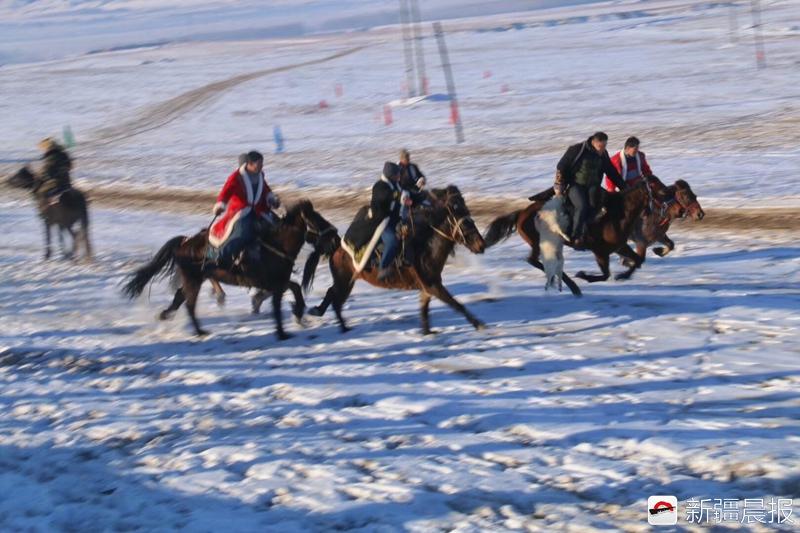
64	211
605	236
675	201
447	223
278	248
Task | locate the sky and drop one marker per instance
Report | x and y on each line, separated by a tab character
36	30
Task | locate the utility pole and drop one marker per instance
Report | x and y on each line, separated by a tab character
404	25
417	25
455	116
758	38
734	20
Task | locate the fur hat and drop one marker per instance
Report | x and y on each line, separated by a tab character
390	170
47	144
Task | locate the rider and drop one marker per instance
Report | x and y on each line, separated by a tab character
243	201
56	166
578	174
631	163
411	177
385	203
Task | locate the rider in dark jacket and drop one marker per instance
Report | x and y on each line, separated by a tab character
56	166
580	173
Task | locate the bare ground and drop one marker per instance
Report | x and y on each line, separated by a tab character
343	203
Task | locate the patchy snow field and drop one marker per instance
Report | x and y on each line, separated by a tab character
663	70
565	413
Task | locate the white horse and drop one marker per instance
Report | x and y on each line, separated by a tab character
552	223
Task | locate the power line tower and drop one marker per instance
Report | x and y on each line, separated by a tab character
405	20
417	25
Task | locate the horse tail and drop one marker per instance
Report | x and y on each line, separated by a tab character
501	228
163	261
310	269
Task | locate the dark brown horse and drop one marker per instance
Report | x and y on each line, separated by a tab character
606	236
447	223
669	203
64	211
279	250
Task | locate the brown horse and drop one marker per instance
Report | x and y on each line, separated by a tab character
670	203
447	223
64	212
608	235
279	250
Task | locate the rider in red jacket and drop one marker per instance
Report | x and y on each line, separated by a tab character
631	165
243	200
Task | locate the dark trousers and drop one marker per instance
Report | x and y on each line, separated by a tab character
584	201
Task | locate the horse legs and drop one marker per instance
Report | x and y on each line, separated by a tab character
323	306
626	252
85	236
444	295
424	308
191	289
257	299
74	251
177	301
299	306
218	292
277	296
602	261
341	291
47	252
661	251
573	287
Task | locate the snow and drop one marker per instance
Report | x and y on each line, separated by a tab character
662	72
566	411
564	415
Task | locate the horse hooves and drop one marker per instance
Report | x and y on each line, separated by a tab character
166	315
660	251
345	329
315	311
480	326
220	301
283	336
580	275
203	333
430	331
623	276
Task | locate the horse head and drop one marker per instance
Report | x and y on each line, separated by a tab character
317	232
458	225
685	196
23	179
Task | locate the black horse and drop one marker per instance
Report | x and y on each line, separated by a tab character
64	210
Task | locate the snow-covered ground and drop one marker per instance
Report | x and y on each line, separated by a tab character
566	414
665	71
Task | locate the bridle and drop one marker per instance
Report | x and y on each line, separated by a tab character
664	207
310	228
455	224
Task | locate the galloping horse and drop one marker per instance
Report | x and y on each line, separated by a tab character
676	201
272	273
65	211
608	235
448	223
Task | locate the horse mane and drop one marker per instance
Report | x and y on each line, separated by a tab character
301	207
